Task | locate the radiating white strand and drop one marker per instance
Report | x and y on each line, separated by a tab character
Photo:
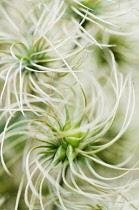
8	99
40	192
15	81
6	80
30	176
63	60
56	20
91	181
87	18
112	166
49	177
11	162
2	144
21	87
12	53
125	123
19	192
87	33
27	100
103	178
97	18
38	88
9	19
58	190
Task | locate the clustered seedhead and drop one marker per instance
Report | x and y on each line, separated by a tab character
65	106
31	55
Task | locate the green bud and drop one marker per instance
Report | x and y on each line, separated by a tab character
70	152
60	155
74	142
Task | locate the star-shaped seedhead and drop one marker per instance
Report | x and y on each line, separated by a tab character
63	155
35	53
69	157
